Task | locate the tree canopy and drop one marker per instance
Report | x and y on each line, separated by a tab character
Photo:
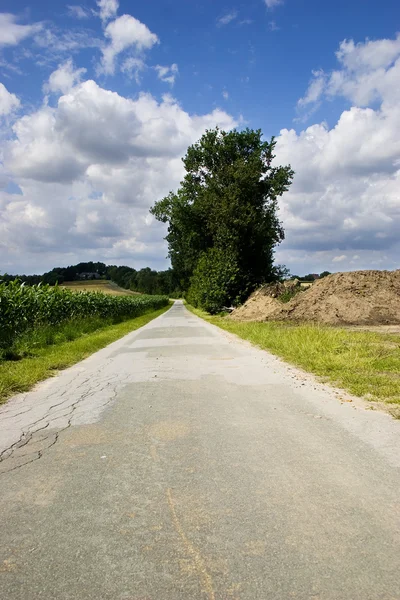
222	222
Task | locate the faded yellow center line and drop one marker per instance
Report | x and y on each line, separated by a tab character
154	453
198	561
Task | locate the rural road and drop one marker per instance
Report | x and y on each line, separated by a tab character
180	463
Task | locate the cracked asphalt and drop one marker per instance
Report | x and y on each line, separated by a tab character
180	463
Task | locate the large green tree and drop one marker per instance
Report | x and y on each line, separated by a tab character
222	222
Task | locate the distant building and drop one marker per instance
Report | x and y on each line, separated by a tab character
88	276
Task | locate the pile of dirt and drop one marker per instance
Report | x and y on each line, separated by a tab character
356	298
263	302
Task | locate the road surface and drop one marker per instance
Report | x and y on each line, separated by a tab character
180	463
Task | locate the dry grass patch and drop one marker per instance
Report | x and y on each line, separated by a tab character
105	286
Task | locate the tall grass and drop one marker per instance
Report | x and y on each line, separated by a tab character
27	343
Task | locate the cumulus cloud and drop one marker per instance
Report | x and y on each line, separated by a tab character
12	33
89	168
64	78
123	33
167	74
8	102
94	126
345	194
107	9
368	72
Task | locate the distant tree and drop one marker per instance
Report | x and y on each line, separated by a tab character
167	283
124	276
282	272
222	221
146	281
324	274
52	277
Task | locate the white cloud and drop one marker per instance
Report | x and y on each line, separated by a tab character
315	89
273	3
167	74
369	73
8	102
133	67
89	168
108	9
123	33
78	12
272	26
227	18
345	194
338	259
225	95
57	42
12	33
64	78
369	54
94	126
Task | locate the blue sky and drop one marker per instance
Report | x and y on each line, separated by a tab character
98	102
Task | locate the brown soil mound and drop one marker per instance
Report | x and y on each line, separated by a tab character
262	303
357	298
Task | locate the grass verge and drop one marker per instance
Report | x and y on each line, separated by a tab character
43	361
365	364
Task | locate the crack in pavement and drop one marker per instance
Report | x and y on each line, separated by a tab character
32	422
57	418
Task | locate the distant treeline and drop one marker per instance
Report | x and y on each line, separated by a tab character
311	276
145	280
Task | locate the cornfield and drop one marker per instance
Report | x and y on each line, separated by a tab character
23	308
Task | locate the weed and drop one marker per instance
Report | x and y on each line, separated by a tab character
289	294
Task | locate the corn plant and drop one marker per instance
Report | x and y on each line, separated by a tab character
23	308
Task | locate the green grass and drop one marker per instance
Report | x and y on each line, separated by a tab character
52	349
364	363
289	294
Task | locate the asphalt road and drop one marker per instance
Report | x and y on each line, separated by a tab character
180	463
